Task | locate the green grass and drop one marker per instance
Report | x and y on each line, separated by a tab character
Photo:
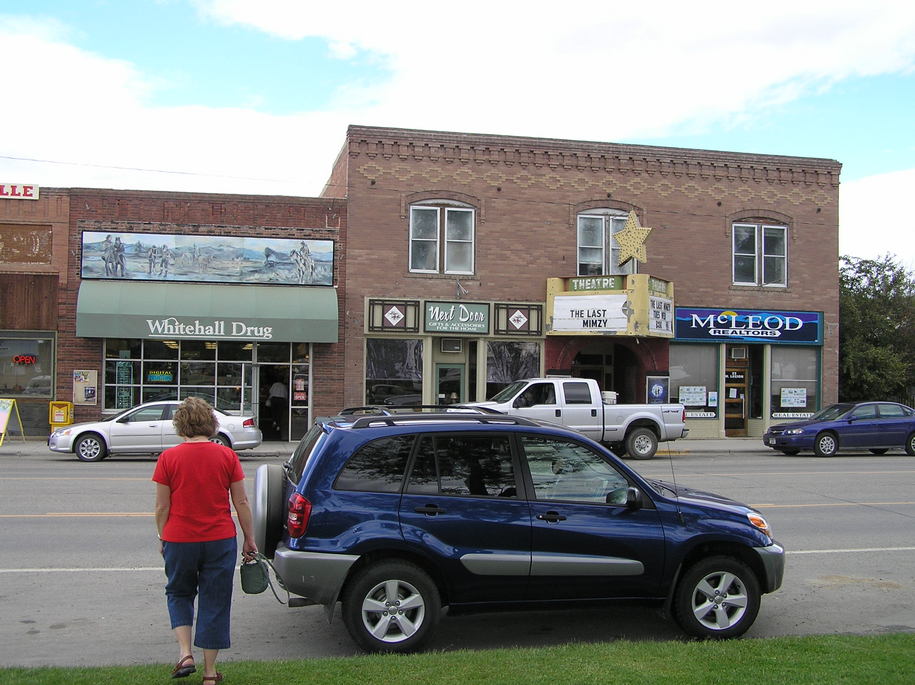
832	660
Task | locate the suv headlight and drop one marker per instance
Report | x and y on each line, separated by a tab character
759	523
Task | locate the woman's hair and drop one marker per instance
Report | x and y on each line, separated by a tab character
195	417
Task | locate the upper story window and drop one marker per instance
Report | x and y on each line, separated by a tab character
441	238
760	255
598	251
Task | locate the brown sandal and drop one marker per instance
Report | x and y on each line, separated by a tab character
183	669
213	678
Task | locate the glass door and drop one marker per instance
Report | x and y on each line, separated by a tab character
450	387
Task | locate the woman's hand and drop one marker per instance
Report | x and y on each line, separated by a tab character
249	550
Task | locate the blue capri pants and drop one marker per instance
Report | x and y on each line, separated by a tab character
205	570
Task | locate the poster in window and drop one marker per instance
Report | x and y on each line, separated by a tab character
692	395
656	389
794	397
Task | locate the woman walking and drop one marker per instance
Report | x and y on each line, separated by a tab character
194	482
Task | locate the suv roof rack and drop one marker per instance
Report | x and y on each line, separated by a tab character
394	420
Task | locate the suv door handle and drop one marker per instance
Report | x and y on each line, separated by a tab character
551	517
429	510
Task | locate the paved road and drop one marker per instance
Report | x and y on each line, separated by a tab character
81	581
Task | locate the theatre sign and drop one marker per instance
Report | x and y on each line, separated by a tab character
633	305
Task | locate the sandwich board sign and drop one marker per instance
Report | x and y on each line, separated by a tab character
7	409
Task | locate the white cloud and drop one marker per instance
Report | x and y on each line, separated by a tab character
874	219
587	71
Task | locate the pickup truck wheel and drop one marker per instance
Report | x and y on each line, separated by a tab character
826	445
641	443
268	507
91	447
717	598
391	606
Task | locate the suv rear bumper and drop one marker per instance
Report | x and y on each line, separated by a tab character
315	575
773	560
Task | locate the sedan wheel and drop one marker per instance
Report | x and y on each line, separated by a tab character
91	448
391	606
826	445
910	445
221	440
717	598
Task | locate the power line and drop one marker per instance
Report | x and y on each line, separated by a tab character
143	169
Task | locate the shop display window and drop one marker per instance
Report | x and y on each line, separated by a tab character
509	361
393	371
694	379
26	366
795	381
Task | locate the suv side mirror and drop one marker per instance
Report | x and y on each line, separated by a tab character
633	499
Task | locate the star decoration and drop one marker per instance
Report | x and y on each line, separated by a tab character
632	240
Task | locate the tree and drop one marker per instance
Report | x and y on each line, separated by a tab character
877	334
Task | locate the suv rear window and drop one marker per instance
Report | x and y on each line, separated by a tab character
377	466
464	465
304	450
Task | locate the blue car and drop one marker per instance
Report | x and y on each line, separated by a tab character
875	426
397	516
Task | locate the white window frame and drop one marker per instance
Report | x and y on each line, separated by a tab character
608	245
444	246
414	240
454	241
759	254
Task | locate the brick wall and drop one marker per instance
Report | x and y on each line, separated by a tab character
528	192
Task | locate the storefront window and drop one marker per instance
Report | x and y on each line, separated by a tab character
694	379
393	371
146	370
510	361
795	381
26	366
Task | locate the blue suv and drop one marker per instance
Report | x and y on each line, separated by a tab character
397	516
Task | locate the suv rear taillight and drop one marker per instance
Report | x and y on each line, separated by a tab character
248	423
299	513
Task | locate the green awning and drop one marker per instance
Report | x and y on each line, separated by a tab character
193	311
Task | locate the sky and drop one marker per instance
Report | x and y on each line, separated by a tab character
245	96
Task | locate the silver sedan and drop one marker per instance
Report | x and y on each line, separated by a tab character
146	428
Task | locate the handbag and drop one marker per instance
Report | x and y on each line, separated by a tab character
255	577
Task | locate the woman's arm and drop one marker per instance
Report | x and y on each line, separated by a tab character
245	519
163	506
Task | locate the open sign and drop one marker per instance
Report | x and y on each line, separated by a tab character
25	359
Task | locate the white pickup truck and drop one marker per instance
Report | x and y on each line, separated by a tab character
576	403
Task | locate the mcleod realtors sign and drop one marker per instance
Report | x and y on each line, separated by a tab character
748	326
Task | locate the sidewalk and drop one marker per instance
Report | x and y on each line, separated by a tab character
15	446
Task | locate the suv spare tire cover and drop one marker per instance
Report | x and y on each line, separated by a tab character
268	507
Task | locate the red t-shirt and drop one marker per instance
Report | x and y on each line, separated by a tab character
199	475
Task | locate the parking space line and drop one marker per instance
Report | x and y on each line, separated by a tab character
828	504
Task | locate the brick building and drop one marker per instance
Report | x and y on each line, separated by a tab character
476	259
151	295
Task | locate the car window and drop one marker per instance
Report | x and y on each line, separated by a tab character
893	411
565	470
538	393
576	392
304	450
377	466
463	465
867	411
146	414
